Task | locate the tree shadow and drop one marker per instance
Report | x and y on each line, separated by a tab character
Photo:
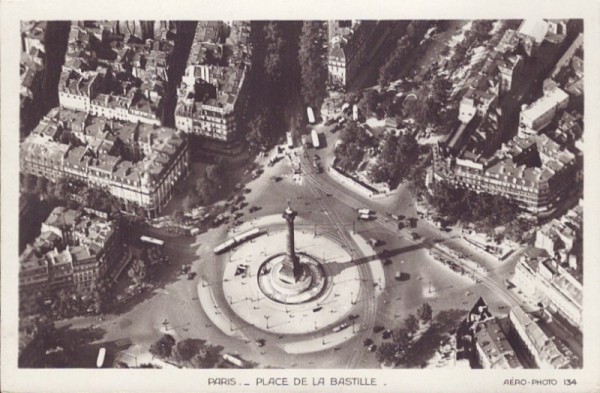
69	348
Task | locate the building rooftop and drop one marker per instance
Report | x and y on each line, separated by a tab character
495	345
220	56
536	29
545	103
159	144
544	346
62	217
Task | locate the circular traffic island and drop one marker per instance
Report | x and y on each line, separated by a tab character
283	288
268	291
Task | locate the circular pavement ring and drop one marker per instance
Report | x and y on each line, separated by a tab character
333	303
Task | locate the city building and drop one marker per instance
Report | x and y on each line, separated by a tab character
214	89
116	75
536	116
349	43
73	249
533	33
556	286
559	236
33	271
483	341
534	172
493	348
135	162
32	71
538	346
493	74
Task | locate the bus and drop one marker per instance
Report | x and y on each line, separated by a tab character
239	239
225	246
101	357
233	360
315	139
148	239
310	114
251	234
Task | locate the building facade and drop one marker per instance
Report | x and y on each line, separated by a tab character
74	250
214	89
146	182
534	172
538	345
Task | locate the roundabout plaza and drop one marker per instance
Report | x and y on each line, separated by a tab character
289	281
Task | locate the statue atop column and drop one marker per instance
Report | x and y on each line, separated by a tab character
291	270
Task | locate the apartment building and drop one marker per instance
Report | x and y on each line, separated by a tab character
539	347
144	176
214	88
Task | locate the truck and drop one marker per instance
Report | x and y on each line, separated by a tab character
355	112
315	138
310	114
366	211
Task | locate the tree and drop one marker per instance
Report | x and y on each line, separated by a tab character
187	349
29	183
186	203
137	271
215	173
411	323
312	57
177	216
368	103
260	133
425	313
398	154
402	338
41	186
387	353
163	347
204	190
273	58
202	358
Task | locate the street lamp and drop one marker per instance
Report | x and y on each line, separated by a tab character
267	318
352	298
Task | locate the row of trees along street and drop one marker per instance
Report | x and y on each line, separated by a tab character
195	353
273	79
288	57
484	210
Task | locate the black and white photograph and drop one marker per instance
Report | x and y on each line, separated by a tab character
300	194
